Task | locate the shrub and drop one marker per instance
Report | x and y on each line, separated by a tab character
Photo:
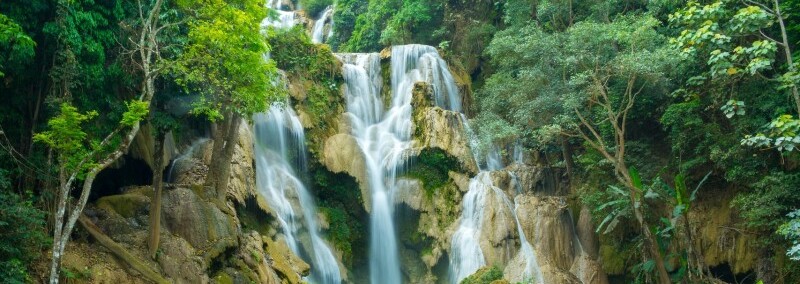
22	234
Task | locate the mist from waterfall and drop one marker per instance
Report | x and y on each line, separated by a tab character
280	155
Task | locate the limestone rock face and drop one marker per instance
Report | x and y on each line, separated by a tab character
201	223
439	128
435	127
548	226
499	237
341	154
549	229
242	179
179	262
254	259
285	263
435	215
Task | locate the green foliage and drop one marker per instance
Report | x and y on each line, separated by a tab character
341	202
484	276
339	232
315	7
137	110
765	206
241	83
76	274
66	134
542	78
791	231
707	35
384	22
431	167
14	43
314	68
22	233
783	133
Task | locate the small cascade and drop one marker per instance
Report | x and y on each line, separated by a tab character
280	160
532	270
466	255
285	19
423	63
384	137
318	34
180	162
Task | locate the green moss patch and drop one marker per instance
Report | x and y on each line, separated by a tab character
431	167
319	72
340	200
484	275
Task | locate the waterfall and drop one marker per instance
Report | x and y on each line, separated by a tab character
317	33
466	255
280	155
384	137
285	19
426	64
181	160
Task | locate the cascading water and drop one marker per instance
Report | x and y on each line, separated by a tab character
384	138
179	162
285	19
317	32
280	157
429	67
466	256
384	134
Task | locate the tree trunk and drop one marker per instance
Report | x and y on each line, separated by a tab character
566	151
155	202
650	240
225	142
120	252
787	50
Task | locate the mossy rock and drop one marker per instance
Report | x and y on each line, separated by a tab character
485	275
126	205
613	263
223	278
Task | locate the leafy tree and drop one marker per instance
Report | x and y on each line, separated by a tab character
315	7
236	87
586	83
791	230
17	46
22	233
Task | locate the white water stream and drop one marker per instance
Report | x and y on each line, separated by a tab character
318	34
280	155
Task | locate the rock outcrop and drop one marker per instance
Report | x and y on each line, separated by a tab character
435	127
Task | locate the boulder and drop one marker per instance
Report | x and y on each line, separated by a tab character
444	129
179	261
341	154
200	223
284	262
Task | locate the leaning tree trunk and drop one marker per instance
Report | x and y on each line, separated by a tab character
225	141
120	252
155	202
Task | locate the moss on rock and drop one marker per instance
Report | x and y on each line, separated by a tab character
485	275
